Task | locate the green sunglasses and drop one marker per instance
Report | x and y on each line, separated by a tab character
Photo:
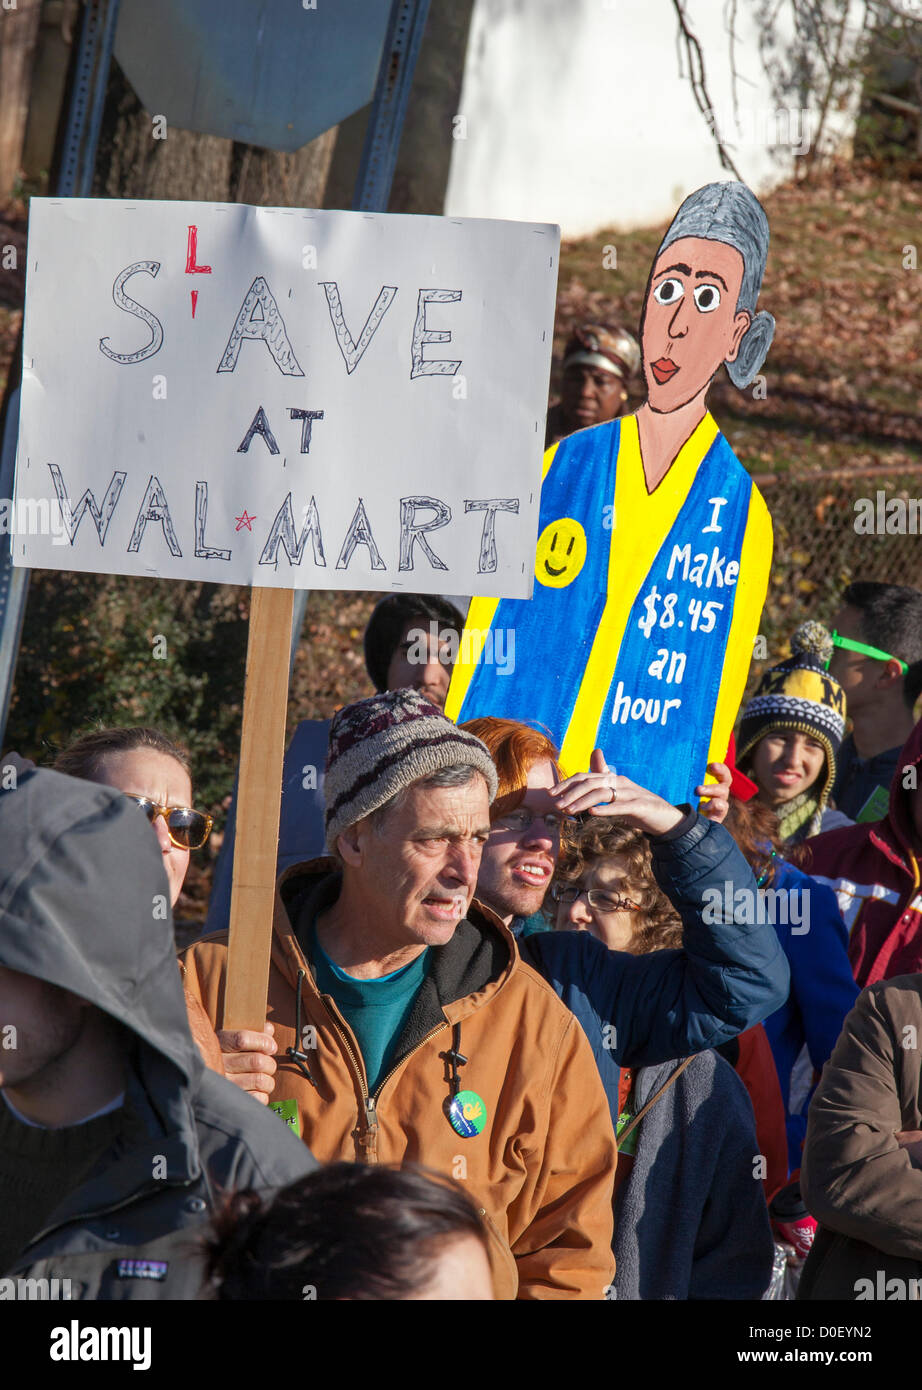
865	650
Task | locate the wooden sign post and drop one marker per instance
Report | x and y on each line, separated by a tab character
259	795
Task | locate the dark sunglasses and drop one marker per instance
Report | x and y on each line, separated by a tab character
186	828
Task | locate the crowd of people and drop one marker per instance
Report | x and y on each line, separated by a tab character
527	1035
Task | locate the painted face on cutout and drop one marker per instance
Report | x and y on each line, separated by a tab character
690	324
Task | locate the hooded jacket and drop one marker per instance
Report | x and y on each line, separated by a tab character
712	1238
875	873
541	1168
864	1189
84	905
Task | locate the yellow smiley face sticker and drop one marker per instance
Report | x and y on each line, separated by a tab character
561	553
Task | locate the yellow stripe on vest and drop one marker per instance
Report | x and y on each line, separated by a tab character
751	589
641	522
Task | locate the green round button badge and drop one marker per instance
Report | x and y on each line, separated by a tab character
467	1114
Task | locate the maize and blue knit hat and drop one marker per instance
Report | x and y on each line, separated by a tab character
799	695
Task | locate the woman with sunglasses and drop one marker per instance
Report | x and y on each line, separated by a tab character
690	1222
154	772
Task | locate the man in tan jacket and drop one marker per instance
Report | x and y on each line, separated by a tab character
407	1028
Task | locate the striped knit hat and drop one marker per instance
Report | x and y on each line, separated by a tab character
386	743
799	695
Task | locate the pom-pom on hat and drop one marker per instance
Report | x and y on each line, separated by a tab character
384	744
799	695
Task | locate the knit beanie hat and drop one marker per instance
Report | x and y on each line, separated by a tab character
799	694
381	745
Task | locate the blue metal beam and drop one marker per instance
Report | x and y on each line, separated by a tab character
389	107
88	98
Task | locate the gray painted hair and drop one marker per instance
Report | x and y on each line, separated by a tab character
731	213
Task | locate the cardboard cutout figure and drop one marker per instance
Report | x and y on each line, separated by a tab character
654	547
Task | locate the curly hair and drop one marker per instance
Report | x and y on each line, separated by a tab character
659	926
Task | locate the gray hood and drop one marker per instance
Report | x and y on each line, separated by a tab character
85	904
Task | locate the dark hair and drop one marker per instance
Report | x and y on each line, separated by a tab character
659	926
82	758
891	619
388	621
348	1230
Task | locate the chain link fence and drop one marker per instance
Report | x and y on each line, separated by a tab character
830	529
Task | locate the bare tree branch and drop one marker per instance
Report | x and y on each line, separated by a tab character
730	26
698	80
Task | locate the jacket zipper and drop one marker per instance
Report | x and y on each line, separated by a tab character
368	1131
369	1140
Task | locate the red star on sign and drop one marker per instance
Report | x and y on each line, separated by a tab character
245	520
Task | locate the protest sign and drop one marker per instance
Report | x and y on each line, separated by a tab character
655	546
288	399
284	398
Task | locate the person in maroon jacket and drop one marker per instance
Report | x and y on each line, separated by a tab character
876	872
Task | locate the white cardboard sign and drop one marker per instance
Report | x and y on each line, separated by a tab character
265	396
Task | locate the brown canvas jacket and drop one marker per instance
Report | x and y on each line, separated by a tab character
856	1180
541	1170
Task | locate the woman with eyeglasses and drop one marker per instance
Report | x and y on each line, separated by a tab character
690	1221
155	773
605	886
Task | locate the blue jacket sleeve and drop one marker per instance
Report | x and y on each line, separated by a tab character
822	983
731	974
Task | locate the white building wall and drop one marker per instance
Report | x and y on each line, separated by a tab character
574	111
